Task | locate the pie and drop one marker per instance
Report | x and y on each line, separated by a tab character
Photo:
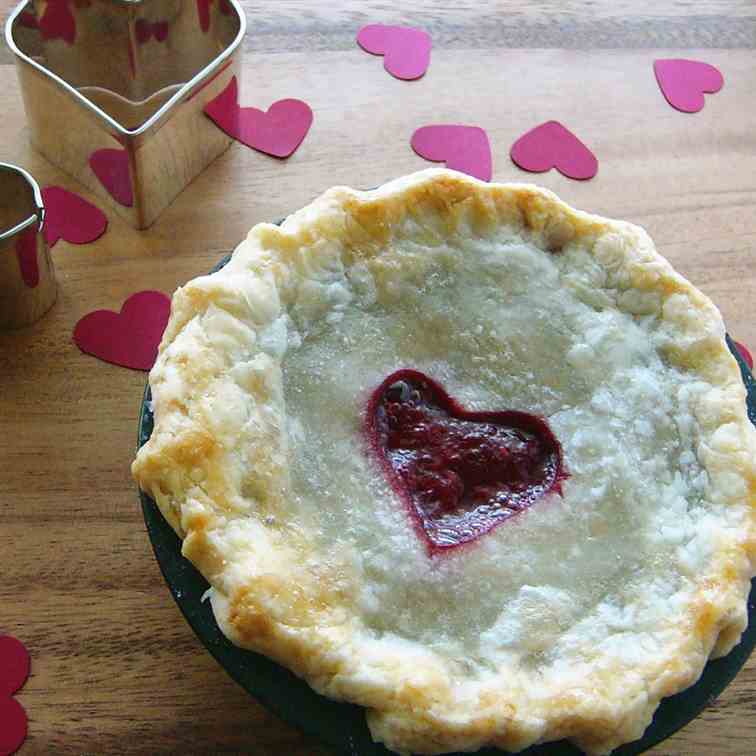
462	455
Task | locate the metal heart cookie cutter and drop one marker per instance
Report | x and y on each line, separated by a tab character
27	279
114	91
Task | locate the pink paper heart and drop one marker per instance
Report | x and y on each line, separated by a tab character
744	353
277	132
70	217
26	252
129	338
203	11
683	82
463	148
15	665
112	169
460	473
551	145
160	30
145	30
405	49
27	19
58	22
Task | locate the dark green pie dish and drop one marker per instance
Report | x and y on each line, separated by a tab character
342	726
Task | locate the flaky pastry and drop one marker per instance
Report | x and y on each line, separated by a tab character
299	391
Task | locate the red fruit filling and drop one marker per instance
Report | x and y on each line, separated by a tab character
459	473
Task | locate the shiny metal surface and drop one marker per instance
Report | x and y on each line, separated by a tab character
114	91
27	279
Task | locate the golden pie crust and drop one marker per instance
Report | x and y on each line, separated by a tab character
574	633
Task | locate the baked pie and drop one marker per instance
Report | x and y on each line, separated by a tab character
463	455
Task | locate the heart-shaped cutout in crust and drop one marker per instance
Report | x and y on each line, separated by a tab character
459	473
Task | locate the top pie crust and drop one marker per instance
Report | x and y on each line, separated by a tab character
574	619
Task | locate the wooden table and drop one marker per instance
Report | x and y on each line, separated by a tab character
115	667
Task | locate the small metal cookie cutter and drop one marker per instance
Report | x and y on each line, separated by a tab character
114	91
27	278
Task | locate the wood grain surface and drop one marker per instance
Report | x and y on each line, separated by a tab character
115	669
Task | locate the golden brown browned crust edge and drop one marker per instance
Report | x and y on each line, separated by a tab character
410	716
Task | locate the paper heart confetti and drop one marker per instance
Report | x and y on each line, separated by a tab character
551	145
129	338
14	671
70	217
459	473
27	19
203	11
26	252
405	49
111	167
462	148
684	82
58	22
146	30
744	353
277	132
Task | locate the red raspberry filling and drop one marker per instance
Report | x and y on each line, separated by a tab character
459	473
